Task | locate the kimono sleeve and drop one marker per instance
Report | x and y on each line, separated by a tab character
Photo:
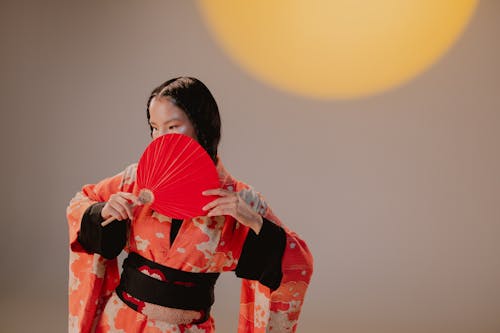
92	278
266	310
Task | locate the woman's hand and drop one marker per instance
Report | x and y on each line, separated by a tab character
230	203
119	206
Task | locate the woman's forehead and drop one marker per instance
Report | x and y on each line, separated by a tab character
163	109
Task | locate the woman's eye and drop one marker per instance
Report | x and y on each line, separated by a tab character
172	127
154	129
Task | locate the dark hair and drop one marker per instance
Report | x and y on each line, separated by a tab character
194	98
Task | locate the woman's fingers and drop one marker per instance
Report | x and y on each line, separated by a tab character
126	207
244	214
118	209
230	203
120	206
221	201
217	191
130	197
226	209
112	212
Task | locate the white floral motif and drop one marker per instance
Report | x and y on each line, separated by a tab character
215	260
73	324
280	321
129	175
194	329
261	315
161	218
163	326
98	266
111	310
80	198
142	244
76	202
254	200
74	282
208	247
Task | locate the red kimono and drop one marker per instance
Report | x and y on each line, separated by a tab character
203	245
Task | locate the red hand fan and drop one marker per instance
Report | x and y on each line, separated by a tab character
172	173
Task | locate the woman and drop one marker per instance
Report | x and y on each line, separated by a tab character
168	278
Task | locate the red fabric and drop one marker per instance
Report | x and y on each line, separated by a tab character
203	245
177	170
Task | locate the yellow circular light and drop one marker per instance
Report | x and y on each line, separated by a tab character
336	48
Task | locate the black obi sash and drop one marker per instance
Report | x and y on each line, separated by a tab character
176	289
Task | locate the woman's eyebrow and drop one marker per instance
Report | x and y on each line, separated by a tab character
166	121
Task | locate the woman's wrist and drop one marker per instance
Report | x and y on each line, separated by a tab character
257	224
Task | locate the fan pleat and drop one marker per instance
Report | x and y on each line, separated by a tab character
177	169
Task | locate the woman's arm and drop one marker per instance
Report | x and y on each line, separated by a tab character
267	305
92	278
262	255
107	241
95	202
275	264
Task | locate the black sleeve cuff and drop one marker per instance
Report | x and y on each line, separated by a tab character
262	254
107	241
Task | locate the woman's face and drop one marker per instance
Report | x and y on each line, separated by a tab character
165	118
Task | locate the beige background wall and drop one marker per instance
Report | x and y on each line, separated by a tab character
398	195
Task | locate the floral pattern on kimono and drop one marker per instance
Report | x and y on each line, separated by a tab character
204	244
